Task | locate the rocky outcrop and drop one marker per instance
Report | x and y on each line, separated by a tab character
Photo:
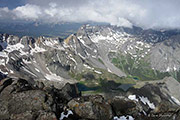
22	100
27	41
91	107
124	106
6	39
12	40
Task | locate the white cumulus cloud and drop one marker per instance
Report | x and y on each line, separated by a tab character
28	11
143	13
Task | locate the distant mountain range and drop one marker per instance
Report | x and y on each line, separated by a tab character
123	52
36	29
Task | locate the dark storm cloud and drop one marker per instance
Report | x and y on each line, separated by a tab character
143	13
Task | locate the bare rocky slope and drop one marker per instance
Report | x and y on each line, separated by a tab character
120	51
123	65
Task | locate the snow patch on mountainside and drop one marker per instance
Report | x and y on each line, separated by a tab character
124	118
17	46
143	99
53	77
5	73
175	100
37	49
3	54
64	116
2	62
133	97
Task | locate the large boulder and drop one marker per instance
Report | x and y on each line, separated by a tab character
70	91
91	107
124	106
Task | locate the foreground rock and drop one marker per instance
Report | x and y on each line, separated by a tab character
122	106
20	100
91	107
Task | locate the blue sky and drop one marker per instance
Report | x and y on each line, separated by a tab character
11	4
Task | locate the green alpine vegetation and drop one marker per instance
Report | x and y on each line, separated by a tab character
138	69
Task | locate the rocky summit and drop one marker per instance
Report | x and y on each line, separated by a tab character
99	73
22	100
